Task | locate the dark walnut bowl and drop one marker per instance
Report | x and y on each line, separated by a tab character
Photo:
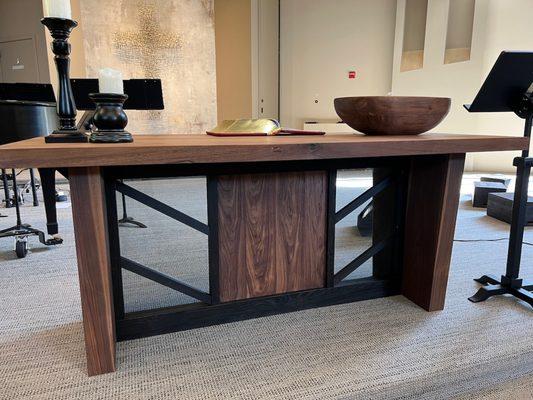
392	115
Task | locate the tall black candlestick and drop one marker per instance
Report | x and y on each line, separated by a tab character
60	29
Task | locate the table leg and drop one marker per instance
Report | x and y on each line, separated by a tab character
432	202
94	267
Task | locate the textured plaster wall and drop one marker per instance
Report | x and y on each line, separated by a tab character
173	40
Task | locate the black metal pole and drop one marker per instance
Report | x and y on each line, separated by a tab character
518	221
33	189
6	188
16	198
527	129
124	211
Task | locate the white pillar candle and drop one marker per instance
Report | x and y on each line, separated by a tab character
110	81
57	9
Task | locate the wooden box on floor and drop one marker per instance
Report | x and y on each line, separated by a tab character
500	206
482	190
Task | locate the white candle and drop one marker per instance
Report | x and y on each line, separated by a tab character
110	81
58	9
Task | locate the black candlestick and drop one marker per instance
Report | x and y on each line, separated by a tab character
60	29
110	118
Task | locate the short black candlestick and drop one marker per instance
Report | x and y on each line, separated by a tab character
60	29
110	119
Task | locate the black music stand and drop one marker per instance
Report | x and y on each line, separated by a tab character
31	92
509	88
143	94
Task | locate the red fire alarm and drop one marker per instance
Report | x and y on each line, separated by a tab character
352	74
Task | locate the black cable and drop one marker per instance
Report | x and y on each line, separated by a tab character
488	240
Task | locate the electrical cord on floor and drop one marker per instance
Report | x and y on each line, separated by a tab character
488	240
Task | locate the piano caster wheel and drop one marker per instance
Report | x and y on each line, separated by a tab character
21	248
54	241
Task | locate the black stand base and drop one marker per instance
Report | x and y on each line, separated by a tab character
127	220
131	221
111	137
73	136
505	285
21	232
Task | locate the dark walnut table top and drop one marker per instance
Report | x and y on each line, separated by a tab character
195	149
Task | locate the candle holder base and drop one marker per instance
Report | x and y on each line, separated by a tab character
110	119
111	137
67	136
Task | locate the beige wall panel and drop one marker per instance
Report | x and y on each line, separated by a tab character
21	19
233	58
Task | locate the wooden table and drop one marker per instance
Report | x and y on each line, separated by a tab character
271	222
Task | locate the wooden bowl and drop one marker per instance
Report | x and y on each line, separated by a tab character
392	115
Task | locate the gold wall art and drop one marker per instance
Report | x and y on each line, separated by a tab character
173	40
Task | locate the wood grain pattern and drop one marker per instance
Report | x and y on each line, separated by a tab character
392	115
272	233
432	202
187	149
94	268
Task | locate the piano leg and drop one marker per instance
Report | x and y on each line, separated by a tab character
48	184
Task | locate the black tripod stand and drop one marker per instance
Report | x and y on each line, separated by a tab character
511	283
127	219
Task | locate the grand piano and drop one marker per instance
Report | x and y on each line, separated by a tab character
27	110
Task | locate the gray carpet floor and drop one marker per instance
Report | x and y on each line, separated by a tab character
379	349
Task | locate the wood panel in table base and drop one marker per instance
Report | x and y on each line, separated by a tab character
432	202
271	233
94	268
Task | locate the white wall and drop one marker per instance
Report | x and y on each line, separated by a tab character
509	27
460	81
321	40
498	25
